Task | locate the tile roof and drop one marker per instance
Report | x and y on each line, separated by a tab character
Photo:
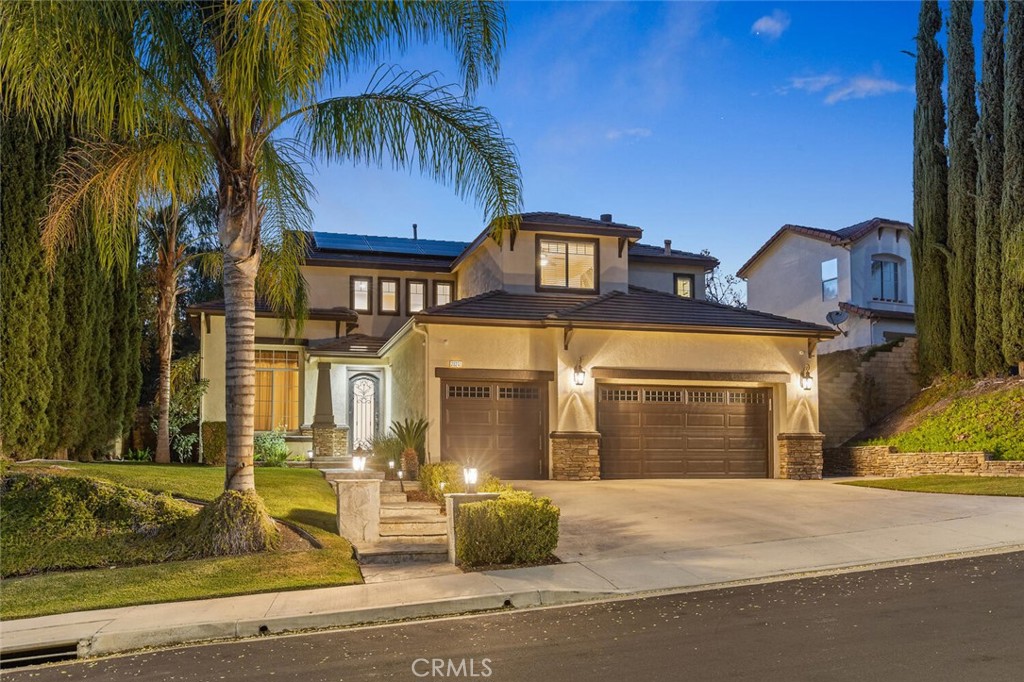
264	310
352	344
651	252
841	236
875	313
640	308
551	218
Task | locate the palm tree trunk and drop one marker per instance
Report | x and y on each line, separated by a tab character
165	332
240	379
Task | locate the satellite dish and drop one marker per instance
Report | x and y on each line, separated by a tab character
837	317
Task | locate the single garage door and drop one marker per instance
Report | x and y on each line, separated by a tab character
499	427
683	432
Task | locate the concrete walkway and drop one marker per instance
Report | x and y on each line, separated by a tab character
618	538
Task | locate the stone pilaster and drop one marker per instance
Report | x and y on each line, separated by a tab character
576	456
800	455
330	441
359	505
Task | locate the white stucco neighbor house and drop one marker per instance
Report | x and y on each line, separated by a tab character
863	270
567	349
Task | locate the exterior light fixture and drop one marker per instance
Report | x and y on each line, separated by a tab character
470	475
579	375
359	463
391	469
806	380
309	456
441	485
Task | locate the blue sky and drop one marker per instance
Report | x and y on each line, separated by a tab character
710	124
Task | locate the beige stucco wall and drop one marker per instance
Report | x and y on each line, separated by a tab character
661	277
480	272
407	361
329	287
572	408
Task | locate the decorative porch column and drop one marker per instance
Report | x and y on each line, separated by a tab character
328	440
800	455
575	456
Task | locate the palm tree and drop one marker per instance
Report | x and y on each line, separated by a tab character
239	94
173	236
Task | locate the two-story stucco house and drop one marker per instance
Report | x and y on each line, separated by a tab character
567	349
863	270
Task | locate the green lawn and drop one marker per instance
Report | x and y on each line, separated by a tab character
300	496
958	485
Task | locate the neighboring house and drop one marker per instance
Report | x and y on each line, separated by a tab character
863	270
566	350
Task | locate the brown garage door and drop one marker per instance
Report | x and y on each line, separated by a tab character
683	432
499	427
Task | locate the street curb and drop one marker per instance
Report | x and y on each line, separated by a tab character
106	643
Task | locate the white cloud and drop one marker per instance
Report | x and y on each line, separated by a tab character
860	87
771	26
634	133
813	83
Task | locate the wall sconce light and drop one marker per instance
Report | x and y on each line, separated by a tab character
470	476
359	463
806	380
579	375
309	456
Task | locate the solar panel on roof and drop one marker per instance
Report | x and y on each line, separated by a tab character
387	245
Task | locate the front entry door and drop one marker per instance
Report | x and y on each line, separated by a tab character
363	411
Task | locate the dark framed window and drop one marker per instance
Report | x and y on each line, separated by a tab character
361	294
388	302
415	295
830	280
567	264
444	292
682	285
885	280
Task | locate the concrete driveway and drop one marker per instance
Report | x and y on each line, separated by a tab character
769	526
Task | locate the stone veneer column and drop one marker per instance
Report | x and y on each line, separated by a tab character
576	456
800	455
358	505
324	439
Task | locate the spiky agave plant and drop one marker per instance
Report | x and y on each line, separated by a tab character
412	433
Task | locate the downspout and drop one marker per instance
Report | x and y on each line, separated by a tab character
417	328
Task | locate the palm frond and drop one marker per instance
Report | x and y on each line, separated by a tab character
105	179
280	283
405	119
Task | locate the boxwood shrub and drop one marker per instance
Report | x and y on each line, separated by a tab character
432	475
515	529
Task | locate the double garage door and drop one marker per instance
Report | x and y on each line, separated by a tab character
499	427
683	432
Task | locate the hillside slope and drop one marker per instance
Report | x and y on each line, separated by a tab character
958	415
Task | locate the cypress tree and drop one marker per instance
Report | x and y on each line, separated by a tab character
963	179
929	238
28	165
988	339
1012	209
125	358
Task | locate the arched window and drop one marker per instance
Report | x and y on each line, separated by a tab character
887	278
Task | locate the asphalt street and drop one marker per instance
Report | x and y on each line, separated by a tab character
953	620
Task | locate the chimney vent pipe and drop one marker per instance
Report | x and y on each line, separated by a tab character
606	217
415	230
668	247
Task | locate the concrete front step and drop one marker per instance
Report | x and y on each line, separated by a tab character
424	509
398	486
401	552
414	539
393	498
413	525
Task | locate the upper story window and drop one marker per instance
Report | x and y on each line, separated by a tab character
277	390
360	294
683	285
388	291
568	264
830	280
416	295
444	292
885	279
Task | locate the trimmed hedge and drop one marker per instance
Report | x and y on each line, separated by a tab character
515	529
431	476
215	443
